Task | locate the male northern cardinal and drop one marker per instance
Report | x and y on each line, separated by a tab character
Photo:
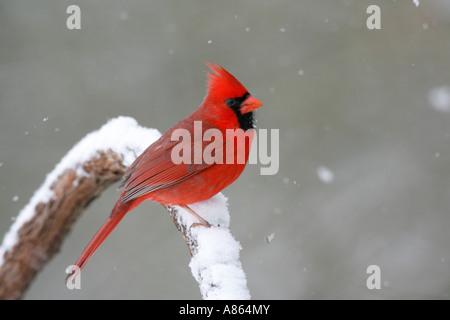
154	175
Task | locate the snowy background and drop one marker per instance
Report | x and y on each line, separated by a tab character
364	119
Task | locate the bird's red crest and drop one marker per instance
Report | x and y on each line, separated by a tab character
222	84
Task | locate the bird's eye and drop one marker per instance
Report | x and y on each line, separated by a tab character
230	102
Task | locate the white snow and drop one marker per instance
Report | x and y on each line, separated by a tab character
215	265
122	135
325	174
439	98
270	237
213	210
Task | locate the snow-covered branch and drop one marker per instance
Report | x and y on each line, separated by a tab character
88	168
215	260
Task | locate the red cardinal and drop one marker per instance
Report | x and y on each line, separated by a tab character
154	176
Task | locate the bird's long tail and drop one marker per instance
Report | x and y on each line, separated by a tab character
118	212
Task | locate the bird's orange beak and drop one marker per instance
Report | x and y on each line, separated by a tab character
250	104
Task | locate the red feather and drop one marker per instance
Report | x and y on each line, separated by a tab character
154	176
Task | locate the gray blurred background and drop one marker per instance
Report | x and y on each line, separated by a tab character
364	119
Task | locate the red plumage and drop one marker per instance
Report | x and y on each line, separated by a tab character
154	175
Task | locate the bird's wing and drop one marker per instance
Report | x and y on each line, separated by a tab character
154	169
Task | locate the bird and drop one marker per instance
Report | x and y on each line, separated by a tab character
155	176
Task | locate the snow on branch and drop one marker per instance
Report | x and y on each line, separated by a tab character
215	260
93	164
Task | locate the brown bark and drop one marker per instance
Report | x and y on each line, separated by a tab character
41	237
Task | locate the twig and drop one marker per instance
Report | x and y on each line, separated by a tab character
215	260
41	237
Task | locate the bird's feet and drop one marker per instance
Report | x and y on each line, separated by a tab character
202	222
